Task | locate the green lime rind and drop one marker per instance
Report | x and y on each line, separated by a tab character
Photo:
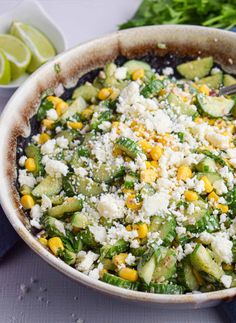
5	69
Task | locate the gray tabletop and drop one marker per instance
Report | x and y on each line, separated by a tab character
30	290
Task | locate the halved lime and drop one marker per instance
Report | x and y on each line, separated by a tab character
41	48
5	69
17	54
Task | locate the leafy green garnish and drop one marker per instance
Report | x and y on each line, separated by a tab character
44	107
151	88
211	13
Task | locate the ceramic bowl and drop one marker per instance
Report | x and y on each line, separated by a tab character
31	12
180	40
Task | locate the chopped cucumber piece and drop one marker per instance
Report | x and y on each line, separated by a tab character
198	68
229	80
48	186
79	220
120	282
186	276
106	174
134	65
217	158
207	164
130	180
70	206
129	147
109	251
203	262
25	190
88	187
147	264
53	226
76	107
212	176
214	106
152	88
214	81
173	289
183	107
68	134
155	223
99	117
68	184
147	190
167	231
33	151
165	265
88	239
69	257
87	91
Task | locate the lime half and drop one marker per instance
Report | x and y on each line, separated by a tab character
41	48
17	54
5	69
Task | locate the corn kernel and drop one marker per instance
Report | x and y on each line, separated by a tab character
132	203
44	137
162	92
114	94
128	159
30	164
204	89
104	93
190	196
129	227
223	207
54	99
102	272
87	113
207	184
145	145
119	259
139	130
165	140
154	163
43	241
56	245
213	196
137	74
184	172
128	191
156	153
198	120
142	230
117	152
61	108
116	126
148	176
48	123
128	274
228	267
75	125
27	201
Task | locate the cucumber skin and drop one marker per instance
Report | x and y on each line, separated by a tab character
67	185
164	288
186	276
214	81
120	282
152	88
208	222
49	186
170	234
88	239
110	251
191	70
129	146
102	175
59	210
33	151
203	101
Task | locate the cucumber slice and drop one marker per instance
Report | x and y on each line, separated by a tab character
88	239
129	147
49	186
51	226
107	174
120	282
130	180
167	231
88	187
214	106
155	223
184	108
165	265
203	262
229	80
33	151
214	81
79	220
173	289
152	88
198	68
76	107
99	117
186	276
68	134
134	65
147	264
212	176
109	251
218	159
147	190
87	91
68	183
69	257
206	165
68	207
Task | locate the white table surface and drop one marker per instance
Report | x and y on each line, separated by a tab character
30	290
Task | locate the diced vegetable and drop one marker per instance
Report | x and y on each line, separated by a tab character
214	81
129	147
70	206
48	186
33	151
214	106
120	282
198	68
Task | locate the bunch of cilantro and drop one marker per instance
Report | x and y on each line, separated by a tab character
211	13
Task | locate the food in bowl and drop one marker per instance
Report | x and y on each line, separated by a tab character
130	179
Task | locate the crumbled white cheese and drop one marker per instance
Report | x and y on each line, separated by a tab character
110	207
220	187
120	73
46	203
155	204
36	214
22	161
86	260
99	233
52	114
56	168
161	122
226	280
81	171
130	259
26	179
218	140
222	248
60	226
231	152
168	71
49	147
62	142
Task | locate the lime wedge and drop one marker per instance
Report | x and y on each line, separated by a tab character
17	54
41	48
5	69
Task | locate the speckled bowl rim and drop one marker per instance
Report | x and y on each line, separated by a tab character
74	63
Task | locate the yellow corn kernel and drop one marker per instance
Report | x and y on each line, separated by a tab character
225	133
128	159
223	207
132	203
128	274
117	152
139	130
54	99
184	172
43	241
191	196
30	164
198	120
142	230
56	245
128	191
207	184
156	153
116	126
227	267
119	259
148	176
61	107
145	145
148	164
114	94
104	93
220	123
137	74
44	137
27	201
162	92
75	125
165	140
213	196
102	272
48	123
129	227
211	122
154	163
87	113
204	89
